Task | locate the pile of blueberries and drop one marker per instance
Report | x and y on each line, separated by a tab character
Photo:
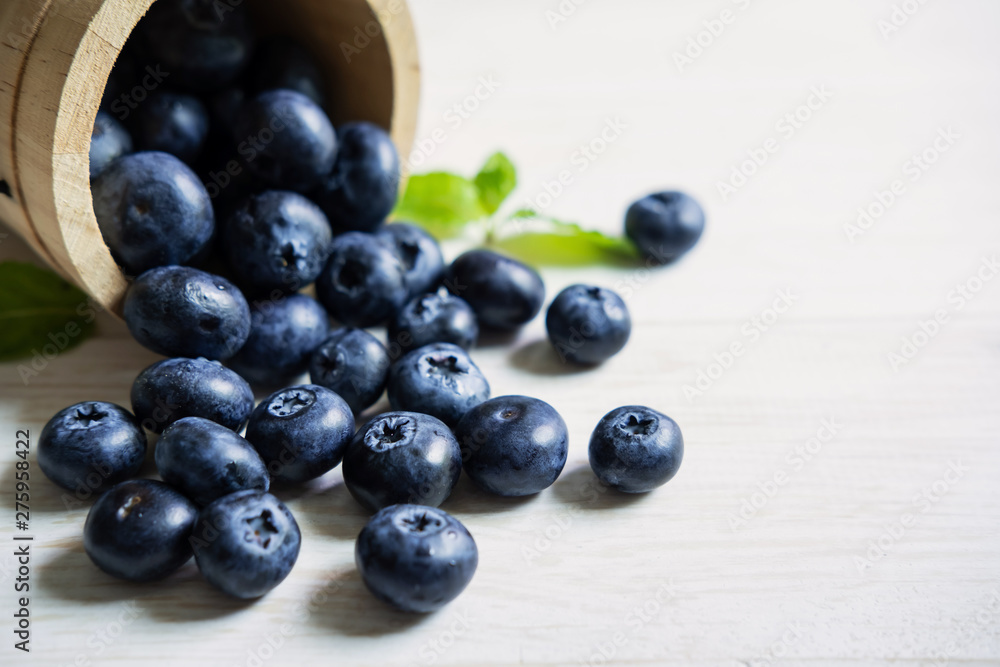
305	204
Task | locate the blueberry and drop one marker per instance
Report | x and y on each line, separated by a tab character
206	461
362	188
439	380
291	139
420	254
91	446
108	142
283	335
665	225
301	432
178	311
172	123
352	363
139	530
636	449
152	211
176	388
246	543
402	457
202	46
588	325
415	558
513	445
277	241
438	317
504	293
363	283
280	62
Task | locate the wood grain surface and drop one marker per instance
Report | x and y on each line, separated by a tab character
834	507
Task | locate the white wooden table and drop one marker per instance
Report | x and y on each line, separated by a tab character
836	505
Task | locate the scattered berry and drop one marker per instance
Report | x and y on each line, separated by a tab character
504	293
352	363
588	325
439	380
636	449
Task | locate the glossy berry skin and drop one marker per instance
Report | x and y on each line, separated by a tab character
588	325
173	389
206	461
91	446
420	254
202	47
152	211
504	293
636	449
246	543
139	530
437	317
172	123
108	142
280	62
291	139
439	380
301	432
402	457
513	445
416	558
178	311
354	364
363	283
664	225
362	188
277	240
283	336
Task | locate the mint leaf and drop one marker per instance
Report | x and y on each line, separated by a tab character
547	242
38	308
495	181
440	202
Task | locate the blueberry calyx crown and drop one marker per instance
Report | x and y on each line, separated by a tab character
260	529
86	416
291	402
638	424
420	520
389	433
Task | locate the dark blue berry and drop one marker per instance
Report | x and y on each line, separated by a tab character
139	530
665	225
204	44
152	210
420	254
588	325
513	445
246	543
402	457
280	62
363	283
108	142
439	380
438	317
301	432
504	293
277	240
176	388
91	446
178	311
286	139
636	449
416	558
283	335
352	363
362	188
206	461
172	123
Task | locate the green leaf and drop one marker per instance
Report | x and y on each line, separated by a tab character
495	181
38	308
546	242
440	202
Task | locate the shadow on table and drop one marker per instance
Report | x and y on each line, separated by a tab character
541	358
348	608
581	487
333	512
182	597
467	498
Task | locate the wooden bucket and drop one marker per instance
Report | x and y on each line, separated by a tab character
55	58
